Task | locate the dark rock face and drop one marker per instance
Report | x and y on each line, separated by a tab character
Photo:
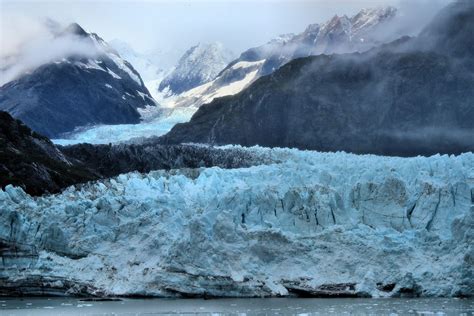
111	161
300	289
411	97
451	31
34	163
31	161
57	97
44	286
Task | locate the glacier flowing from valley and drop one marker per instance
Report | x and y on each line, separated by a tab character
305	223
157	122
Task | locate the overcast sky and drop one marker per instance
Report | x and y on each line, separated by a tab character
175	25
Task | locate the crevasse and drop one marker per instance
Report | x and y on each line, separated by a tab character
307	223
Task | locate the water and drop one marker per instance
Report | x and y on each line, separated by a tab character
274	306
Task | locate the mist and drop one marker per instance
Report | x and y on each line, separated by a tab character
412	17
34	42
28	41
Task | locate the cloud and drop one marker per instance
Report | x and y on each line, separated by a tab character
28	43
413	16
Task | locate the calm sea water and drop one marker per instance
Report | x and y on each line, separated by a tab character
277	306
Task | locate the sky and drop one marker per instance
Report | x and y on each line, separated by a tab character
172	26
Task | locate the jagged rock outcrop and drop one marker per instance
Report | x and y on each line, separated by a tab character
410	97
91	86
310	224
111	161
33	162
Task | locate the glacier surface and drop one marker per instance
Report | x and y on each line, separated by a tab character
306	223
156	122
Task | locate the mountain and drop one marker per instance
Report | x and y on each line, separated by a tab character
33	162
341	34
90	86
410	97
200	64
145	65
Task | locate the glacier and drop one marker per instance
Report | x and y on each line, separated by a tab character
156	122
304	223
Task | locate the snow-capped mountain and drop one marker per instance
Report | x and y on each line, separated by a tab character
409	97
84	82
231	81
148	68
200	64
252	64
341	34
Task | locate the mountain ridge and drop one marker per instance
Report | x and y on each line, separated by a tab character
199	64
339	34
76	90
377	102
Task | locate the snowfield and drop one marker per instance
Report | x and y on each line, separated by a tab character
307	223
220	87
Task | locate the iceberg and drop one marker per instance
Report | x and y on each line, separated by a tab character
305	224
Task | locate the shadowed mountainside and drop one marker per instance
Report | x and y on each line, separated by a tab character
76	91
409	97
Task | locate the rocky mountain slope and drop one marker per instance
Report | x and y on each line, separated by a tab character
31	161
77	90
307	224
341	34
410	97
199	65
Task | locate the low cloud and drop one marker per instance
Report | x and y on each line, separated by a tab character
412	17
29	43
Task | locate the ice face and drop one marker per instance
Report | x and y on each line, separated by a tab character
307	222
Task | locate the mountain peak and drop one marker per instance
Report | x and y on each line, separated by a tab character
76	29
384	102
204	49
199	64
369	17
87	84
312	28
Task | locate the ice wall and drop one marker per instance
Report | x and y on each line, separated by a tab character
309	224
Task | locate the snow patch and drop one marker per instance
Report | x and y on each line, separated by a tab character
113	74
121	64
206	93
